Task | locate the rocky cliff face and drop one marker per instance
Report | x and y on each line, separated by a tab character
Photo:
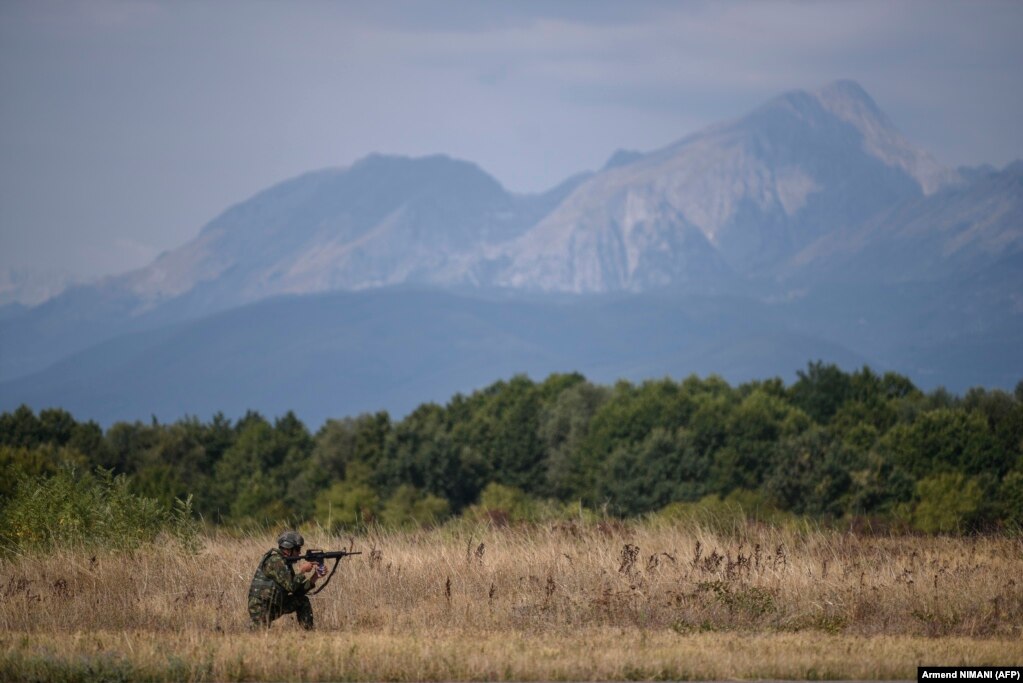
739	198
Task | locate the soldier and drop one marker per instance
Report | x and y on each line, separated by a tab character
276	588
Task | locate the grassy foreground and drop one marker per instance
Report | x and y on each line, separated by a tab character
588	654
560	602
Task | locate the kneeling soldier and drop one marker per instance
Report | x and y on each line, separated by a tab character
276	588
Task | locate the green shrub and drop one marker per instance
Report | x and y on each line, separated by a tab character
409	506
346	505
946	503
724	515
19	462
1010	499
88	509
500	505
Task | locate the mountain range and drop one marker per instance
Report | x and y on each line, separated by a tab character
809	228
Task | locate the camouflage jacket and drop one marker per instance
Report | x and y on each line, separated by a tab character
274	569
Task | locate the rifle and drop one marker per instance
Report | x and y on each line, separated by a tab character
319	557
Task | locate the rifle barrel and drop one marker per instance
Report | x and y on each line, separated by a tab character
320	555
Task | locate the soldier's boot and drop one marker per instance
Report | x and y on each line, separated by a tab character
304	612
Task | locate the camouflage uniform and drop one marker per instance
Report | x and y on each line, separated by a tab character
275	590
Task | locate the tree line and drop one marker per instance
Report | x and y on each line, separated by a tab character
835	446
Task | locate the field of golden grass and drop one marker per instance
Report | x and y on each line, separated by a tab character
566	601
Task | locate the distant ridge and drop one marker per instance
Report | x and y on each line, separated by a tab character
810	227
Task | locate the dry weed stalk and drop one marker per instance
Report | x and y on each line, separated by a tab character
527	603
551	578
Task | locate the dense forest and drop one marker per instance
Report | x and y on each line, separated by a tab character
857	448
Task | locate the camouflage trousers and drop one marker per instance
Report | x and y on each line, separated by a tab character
263	613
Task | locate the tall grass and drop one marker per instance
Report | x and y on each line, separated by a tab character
528	595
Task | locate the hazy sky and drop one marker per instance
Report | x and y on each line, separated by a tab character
126	126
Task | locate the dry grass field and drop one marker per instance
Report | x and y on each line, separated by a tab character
565	601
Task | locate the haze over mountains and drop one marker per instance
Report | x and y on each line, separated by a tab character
810	228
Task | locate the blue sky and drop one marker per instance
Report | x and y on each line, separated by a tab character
126	126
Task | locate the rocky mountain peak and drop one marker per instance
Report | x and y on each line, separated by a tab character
849	102
751	192
622	157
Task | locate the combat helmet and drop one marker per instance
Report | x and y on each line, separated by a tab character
290	539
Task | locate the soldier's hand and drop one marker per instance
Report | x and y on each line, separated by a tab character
305	566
